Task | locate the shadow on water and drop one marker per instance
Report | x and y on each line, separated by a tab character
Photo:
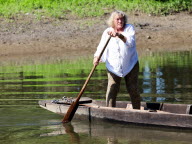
163	77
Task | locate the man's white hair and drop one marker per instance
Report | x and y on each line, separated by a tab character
110	21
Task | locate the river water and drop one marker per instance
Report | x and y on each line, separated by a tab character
163	77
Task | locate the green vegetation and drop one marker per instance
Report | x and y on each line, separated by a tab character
87	8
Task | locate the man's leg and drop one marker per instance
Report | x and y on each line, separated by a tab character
131	80
112	89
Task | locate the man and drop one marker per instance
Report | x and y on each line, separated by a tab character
121	58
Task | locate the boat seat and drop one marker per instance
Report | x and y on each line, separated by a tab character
177	108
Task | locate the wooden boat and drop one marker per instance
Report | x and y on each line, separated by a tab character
155	114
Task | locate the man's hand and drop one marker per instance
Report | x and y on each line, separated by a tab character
113	33
95	61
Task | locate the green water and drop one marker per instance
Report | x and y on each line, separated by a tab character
163	77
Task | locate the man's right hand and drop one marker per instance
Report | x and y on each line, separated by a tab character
95	61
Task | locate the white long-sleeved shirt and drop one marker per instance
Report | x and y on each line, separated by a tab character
119	57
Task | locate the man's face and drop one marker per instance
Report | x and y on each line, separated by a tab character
118	22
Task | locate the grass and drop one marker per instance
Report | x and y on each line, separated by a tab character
87	8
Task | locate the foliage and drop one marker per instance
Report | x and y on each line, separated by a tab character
86	8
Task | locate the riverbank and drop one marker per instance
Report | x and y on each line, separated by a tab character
24	38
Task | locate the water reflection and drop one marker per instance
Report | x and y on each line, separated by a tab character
112	133
74	137
31	124
164	77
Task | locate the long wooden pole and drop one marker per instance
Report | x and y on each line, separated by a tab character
74	105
